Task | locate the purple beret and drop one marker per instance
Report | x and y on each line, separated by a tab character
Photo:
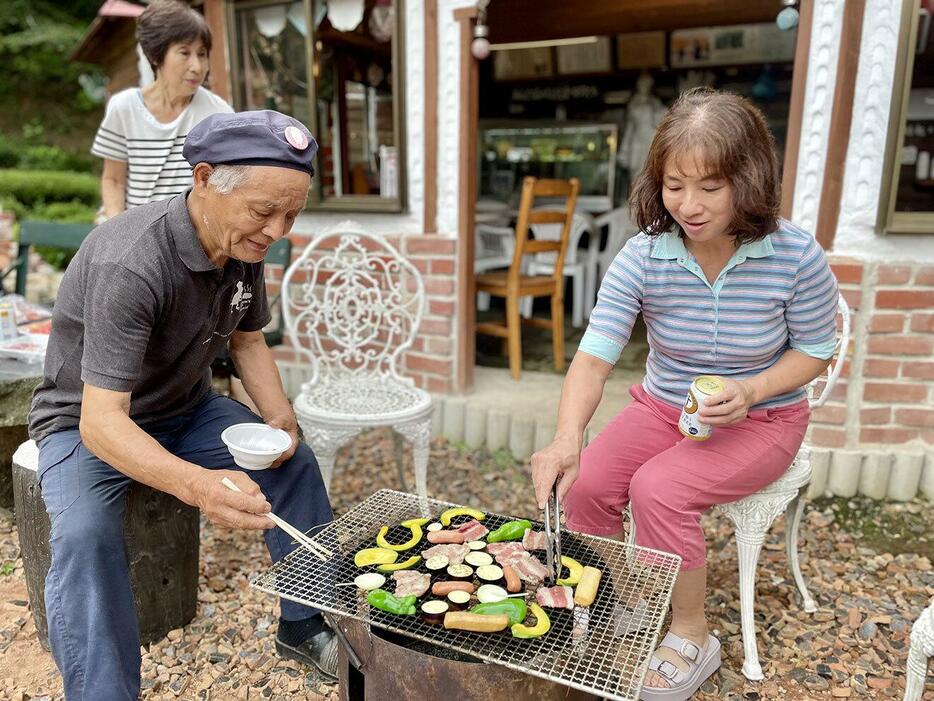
259	138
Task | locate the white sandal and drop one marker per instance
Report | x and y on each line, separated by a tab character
682	684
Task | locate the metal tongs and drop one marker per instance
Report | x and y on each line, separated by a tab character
553	533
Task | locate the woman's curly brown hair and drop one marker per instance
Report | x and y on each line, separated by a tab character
167	22
730	138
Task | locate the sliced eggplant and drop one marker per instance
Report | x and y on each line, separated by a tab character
490	574
433	611
476	545
437	563
458	599
460	572
478	559
434	526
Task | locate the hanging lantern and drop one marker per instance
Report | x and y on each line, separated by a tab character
345	15
382	18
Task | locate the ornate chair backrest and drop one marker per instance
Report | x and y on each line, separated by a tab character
352	305
820	389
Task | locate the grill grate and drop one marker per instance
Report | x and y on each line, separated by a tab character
609	659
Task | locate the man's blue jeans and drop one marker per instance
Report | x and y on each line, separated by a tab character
93	628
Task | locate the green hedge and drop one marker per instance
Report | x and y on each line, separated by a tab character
34	187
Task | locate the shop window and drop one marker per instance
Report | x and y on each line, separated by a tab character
339	70
908	189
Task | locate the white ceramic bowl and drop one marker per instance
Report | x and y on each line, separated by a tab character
255	446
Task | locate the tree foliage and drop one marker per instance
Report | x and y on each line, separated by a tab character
36	38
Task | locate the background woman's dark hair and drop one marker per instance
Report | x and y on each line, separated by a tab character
167	22
730	138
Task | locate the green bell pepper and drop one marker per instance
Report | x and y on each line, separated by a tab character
515	609
513	530
384	601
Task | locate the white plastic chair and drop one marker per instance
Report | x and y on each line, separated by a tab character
752	516
579	265
494	248
352	306
920	651
619	230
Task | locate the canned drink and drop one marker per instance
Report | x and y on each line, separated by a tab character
702	387
8	328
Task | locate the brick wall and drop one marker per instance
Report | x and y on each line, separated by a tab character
885	396
431	361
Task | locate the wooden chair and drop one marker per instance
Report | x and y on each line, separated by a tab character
513	285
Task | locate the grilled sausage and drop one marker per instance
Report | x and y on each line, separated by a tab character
513	583
446	537
477	622
445	588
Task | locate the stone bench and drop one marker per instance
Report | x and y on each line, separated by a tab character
162	540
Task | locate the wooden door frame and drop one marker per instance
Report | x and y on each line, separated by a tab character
467	163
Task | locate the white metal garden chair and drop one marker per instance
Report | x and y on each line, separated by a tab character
753	516
352	306
579	264
920	651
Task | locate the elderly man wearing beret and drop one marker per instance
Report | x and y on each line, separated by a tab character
144	307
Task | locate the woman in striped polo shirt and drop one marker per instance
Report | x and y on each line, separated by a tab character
726	288
143	131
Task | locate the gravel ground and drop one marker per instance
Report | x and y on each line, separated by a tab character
868	564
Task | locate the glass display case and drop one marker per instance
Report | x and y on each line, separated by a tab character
510	151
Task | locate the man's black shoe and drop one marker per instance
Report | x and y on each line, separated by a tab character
319	650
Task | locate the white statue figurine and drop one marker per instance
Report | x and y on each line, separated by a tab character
643	113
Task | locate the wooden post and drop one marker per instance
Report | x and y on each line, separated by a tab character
162	541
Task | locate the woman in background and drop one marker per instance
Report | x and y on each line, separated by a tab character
143	130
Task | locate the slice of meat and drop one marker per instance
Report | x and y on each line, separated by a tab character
555	597
497	549
534	540
530	570
473	530
408	582
454	553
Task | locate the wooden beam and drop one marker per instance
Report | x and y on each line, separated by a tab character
530	20
430	132
467	146
841	118
796	107
215	16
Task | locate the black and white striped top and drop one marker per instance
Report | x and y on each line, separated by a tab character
152	150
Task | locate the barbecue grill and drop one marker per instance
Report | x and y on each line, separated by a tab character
603	650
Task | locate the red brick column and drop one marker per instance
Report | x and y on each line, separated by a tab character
886	394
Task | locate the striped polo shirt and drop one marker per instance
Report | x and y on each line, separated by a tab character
152	150
774	294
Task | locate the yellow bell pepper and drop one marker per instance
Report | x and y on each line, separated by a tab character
374	556
414	522
542	624
411	562
576	568
460	511
411	542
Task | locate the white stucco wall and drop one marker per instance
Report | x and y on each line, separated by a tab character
856	232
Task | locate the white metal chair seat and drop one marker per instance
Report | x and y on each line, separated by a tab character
368	399
753	515
352	306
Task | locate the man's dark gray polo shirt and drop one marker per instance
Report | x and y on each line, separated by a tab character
142	309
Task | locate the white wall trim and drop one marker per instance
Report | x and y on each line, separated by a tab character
818	105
